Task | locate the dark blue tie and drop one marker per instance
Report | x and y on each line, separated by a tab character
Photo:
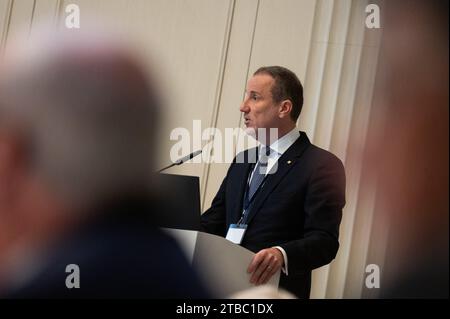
259	173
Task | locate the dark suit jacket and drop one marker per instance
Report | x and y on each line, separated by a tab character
120	254
299	208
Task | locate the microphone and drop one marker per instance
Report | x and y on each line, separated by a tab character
182	160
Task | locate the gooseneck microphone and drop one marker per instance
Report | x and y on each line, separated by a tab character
182	160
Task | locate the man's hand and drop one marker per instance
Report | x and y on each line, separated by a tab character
264	265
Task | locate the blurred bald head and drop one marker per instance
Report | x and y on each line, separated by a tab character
83	112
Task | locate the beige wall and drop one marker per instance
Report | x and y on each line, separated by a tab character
205	52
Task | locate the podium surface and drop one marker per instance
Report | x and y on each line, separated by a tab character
221	264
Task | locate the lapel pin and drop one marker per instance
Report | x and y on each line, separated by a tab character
289	162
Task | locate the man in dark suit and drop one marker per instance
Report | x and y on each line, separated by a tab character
78	119
290	203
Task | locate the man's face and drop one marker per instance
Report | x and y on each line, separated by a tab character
258	107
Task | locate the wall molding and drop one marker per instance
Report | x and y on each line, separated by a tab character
6	25
218	94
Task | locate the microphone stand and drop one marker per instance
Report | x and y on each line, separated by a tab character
181	160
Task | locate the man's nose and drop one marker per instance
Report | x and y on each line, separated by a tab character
244	107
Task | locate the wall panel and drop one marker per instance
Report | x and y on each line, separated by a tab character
188	40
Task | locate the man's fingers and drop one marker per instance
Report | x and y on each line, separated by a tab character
270	271
257	274
257	259
274	264
263	266
260	270
265	276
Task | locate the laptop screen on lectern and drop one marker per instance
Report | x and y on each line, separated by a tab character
181	196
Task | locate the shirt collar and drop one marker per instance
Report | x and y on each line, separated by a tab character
282	144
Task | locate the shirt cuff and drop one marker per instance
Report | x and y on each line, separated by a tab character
283	252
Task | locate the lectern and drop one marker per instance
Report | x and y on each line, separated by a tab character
220	263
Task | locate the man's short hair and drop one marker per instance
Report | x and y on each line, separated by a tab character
287	86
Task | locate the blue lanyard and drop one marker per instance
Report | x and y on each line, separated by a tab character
249	201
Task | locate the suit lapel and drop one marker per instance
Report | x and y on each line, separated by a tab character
285	164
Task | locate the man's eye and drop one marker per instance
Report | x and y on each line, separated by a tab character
254	97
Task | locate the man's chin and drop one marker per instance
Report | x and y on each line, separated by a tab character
251	131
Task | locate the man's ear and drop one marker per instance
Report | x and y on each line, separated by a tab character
285	109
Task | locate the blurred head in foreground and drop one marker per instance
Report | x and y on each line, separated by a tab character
77	124
263	292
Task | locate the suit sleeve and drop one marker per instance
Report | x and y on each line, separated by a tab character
213	220
324	201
